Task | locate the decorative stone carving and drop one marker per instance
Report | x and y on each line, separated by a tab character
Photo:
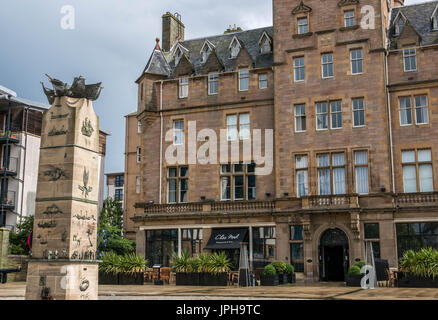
53	209
85	188
58	116
55	132
47	225
54	174
355	224
301	8
87	129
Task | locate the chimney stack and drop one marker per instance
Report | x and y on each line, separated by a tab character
397	3
173	30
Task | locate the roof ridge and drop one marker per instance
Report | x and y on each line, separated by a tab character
226	34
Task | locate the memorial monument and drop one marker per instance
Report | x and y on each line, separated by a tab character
63	264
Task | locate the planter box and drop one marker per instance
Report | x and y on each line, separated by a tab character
187	279
291	278
108	278
282	279
131	278
410	281
210	279
268	280
353	280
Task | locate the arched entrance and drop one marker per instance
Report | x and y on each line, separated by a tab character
333	255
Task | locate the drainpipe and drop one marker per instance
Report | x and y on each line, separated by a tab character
161	141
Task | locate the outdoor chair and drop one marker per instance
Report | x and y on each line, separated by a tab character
165	274
148	274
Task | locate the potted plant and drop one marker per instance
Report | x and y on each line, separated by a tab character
132	269
218	265
108	268
354	275
183	267
290	272
280	269
269	276
419	269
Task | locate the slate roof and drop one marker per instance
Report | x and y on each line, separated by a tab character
419	17
164	64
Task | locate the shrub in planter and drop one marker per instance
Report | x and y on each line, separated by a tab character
127	269
269	276
280	269
354	276
419	269
290	272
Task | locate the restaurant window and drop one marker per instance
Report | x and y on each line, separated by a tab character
361	172
160	246
213	83
417	171
299	69
300	117
178	132
416	235
372	233
243	80
263	81
183	88
238	181
302	174
263	242
177	184
191	241
331	173
297	247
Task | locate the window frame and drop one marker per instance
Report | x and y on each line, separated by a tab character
243	70
331	167
238	126
301	116
297	68
327	63
349	18
302	169
306	25
417	164
263	81
178	132
213	77
178	178
138	184
353	60
414	105
138	155
410	56
231	175
183	87
359	110
337	113
361	165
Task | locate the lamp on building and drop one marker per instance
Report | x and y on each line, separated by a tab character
151	202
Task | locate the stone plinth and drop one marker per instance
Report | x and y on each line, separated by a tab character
63	264
4	246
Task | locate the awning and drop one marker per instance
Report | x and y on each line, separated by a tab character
226	238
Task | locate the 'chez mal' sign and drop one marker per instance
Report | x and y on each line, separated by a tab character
226	238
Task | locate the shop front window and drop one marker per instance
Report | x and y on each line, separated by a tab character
263	246
191	241
414	236
297	247
160	246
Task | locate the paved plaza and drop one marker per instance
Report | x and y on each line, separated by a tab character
325	291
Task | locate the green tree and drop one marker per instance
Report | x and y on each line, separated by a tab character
110	230
18	239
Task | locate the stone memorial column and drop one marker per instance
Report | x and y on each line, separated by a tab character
63	264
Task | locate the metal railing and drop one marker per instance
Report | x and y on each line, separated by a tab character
13	165
9	200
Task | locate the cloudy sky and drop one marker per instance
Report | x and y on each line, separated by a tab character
111	43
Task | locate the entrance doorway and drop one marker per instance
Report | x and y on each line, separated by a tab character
333	255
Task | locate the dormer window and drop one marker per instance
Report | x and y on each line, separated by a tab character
178	55
206	50
265	44
204	54
349	18
234	48
399	24
435	19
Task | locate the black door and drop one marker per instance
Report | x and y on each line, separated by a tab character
334	263
333	254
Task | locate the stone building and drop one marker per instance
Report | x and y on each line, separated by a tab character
347	89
